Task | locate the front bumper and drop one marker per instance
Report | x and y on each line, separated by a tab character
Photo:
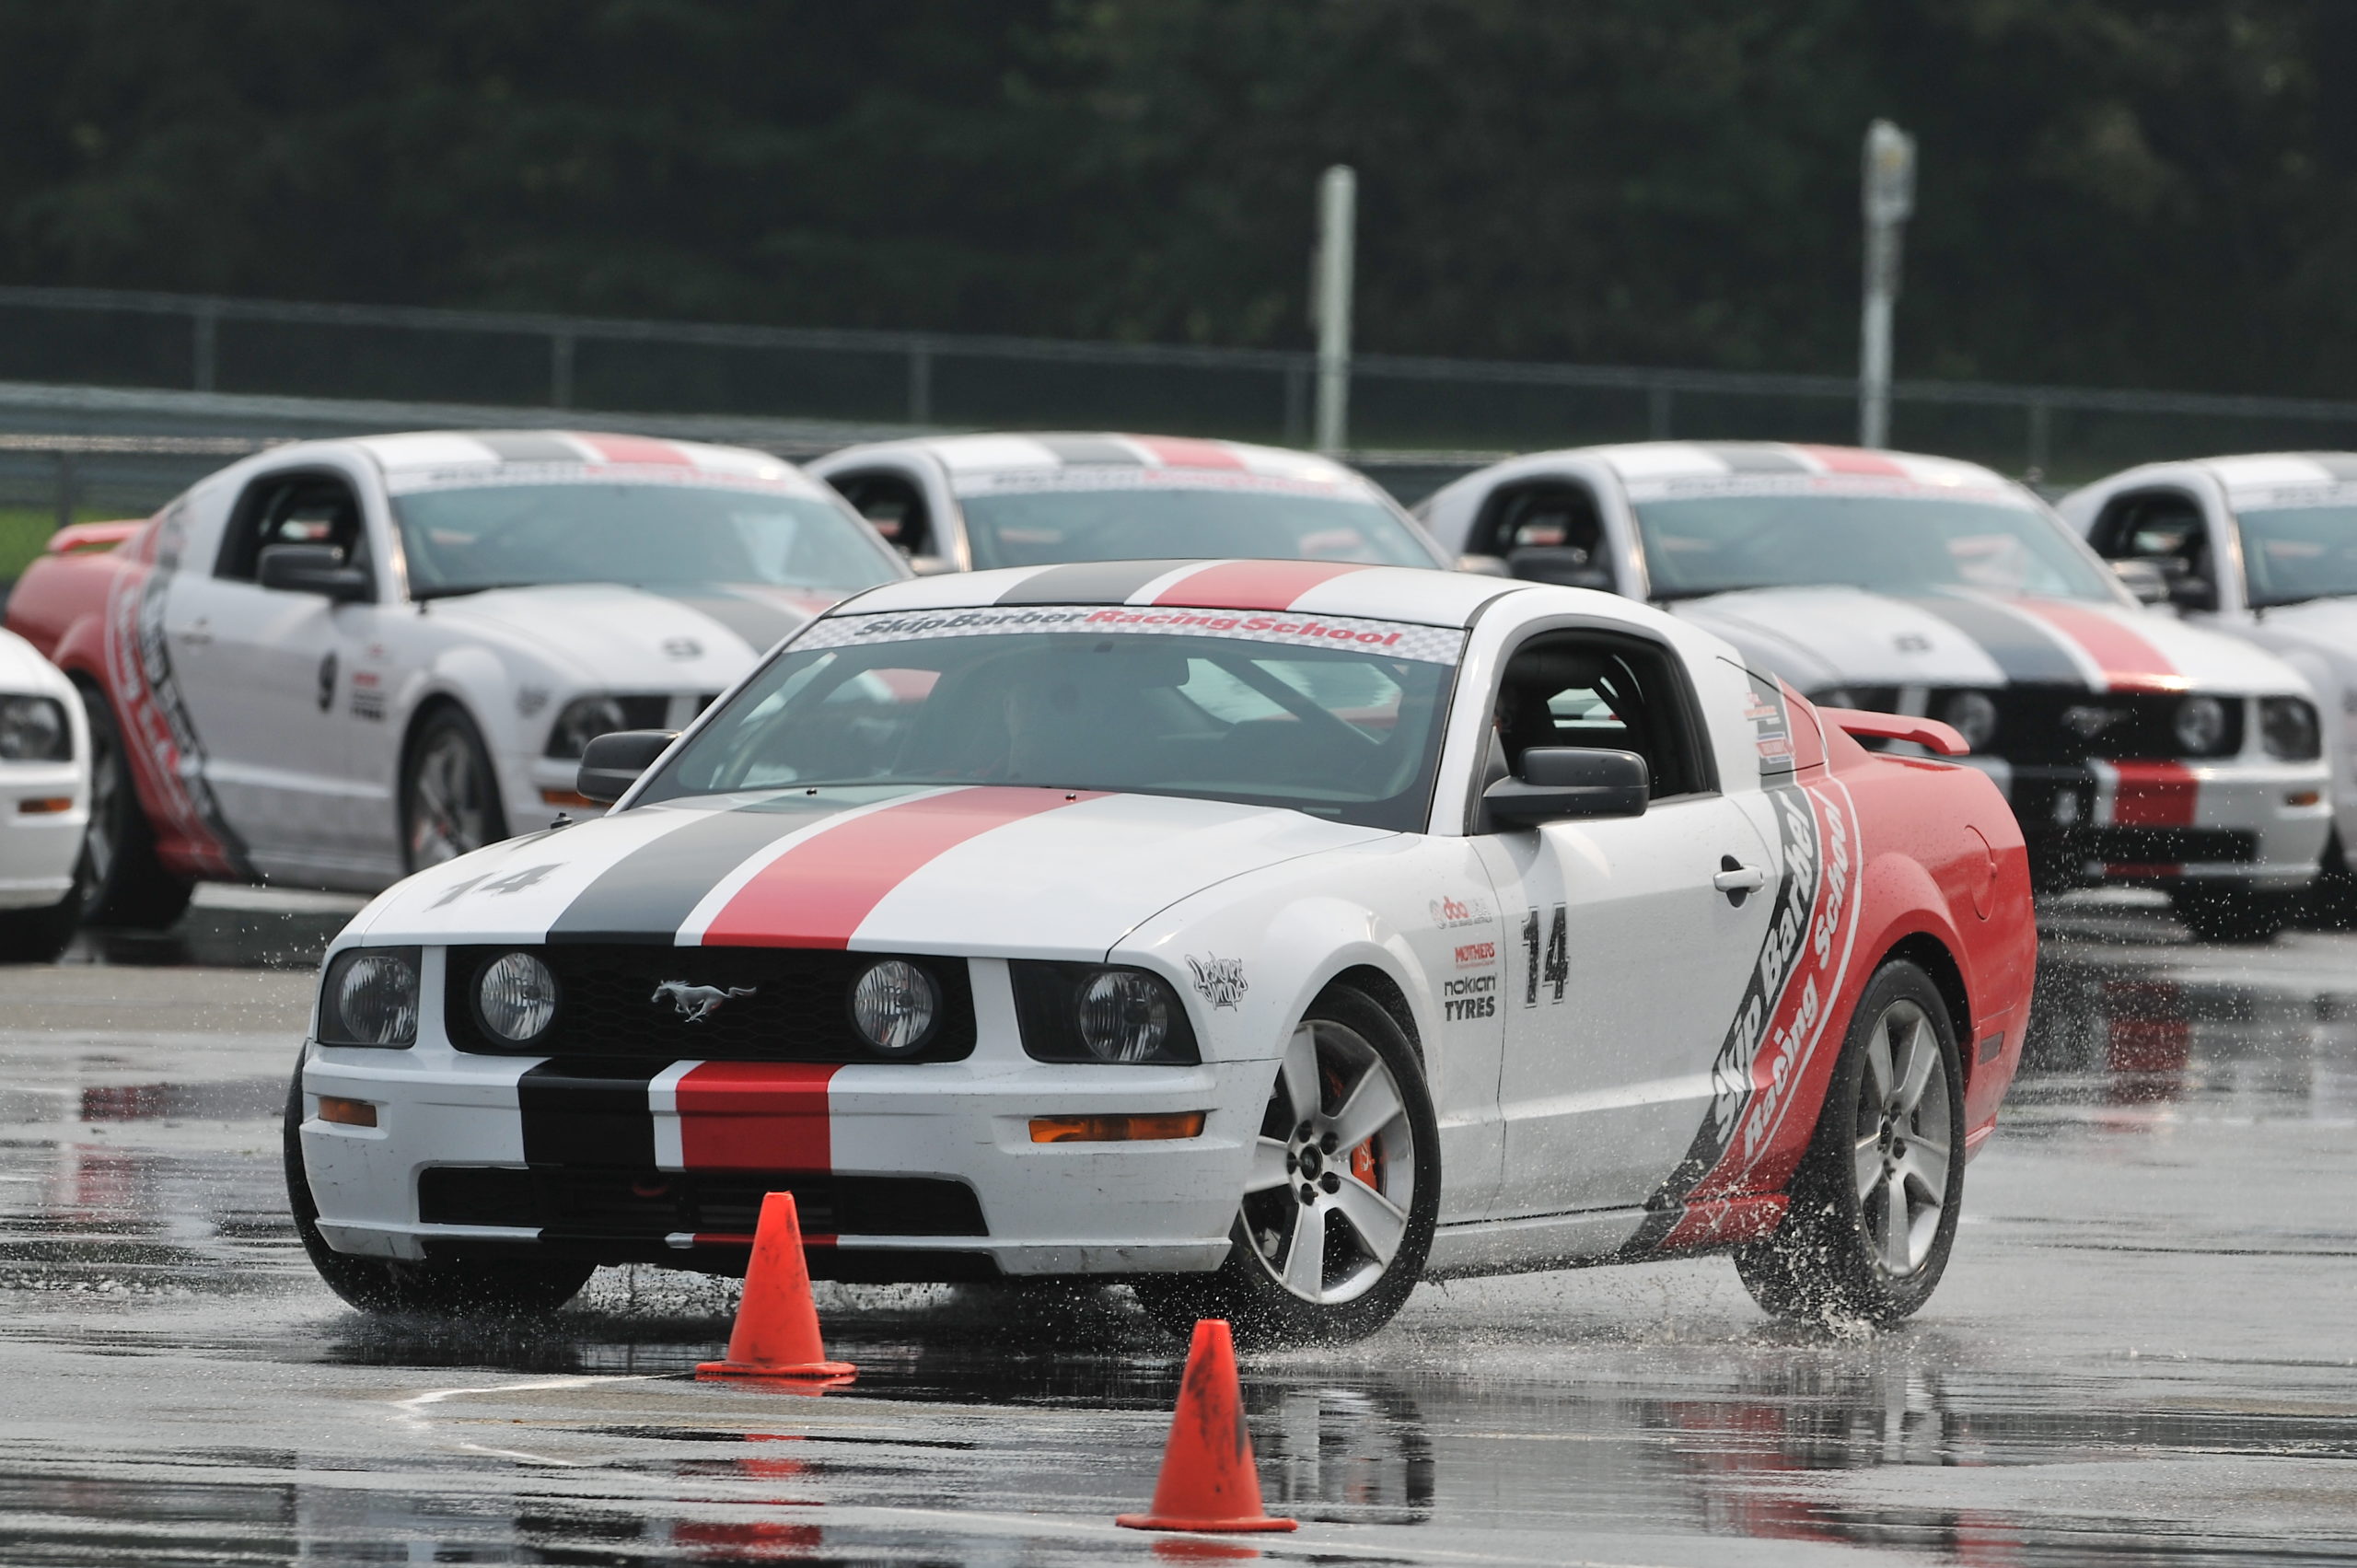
2257	824
901	1170
38	846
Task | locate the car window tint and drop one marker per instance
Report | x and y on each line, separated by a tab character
2299	553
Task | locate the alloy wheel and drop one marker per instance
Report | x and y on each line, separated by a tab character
448	800
1900	1153
1334	1170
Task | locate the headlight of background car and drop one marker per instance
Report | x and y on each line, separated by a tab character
1100	1013
2201	726
1972	714
2287	725
584	719
893	1006
370	998
516	998
33	729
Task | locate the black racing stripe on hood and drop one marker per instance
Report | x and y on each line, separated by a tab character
525	447
588	1111
2024	648
761	625
646	895
1088	582
1091	450
1745	458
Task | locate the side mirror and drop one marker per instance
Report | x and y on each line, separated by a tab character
2144	579
1564	565
1560	782
931	565
2190	592
611	764
1484	565
313	569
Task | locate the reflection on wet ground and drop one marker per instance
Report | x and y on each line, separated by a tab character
2144	1352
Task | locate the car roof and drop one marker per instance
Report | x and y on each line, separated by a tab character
2260	470
440	451
966	456
1421	595
1700	460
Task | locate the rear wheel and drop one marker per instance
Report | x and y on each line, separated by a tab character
496	1289
2231	913
1873	1204
119	881
1337	1216
449	792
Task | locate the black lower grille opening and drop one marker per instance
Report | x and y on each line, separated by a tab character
585	1200
2169	846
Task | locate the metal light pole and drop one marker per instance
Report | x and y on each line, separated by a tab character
1888	194
1338	200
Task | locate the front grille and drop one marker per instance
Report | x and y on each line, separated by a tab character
2165	847
647	1204
2141	725
796	1009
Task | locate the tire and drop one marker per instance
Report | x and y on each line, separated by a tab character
37	935
119	881
1372	1209
450	801
1887	1135
2331	902
2231	914
488	1289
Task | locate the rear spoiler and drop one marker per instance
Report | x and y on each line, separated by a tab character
1930	734
92	535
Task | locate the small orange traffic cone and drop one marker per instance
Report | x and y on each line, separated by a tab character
1208	1481
777	1324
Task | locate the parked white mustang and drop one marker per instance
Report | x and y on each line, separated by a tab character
339	661
44	802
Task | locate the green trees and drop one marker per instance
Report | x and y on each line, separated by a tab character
2130	192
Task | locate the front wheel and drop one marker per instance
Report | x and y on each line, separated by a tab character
1337	1216
449	792
1873	1207
498	1289
120	880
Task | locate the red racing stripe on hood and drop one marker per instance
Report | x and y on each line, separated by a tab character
755	1116
1253	585
1180	452
2153	794
1851	459
634	449
2128	662
815	894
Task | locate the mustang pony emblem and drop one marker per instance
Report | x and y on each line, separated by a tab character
697	1002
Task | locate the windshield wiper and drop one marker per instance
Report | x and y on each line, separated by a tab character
420	594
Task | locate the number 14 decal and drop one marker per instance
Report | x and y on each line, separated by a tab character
1556	970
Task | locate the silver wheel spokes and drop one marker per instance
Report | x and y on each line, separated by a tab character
446	811
1333	1173
1900	1157
97	839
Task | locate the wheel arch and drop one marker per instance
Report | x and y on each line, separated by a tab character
1387	994
1931	954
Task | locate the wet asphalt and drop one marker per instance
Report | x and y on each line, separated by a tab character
2144	1351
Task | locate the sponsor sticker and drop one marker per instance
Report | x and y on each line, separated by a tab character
1124	476
1449	911
1475	955
1424	644
1219	980
1470	996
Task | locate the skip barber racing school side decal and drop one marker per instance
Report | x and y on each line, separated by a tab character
1788	1004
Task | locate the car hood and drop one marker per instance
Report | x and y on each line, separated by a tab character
1821	637
22	668
696	635
977	870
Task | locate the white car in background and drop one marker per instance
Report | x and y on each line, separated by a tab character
44	802
2135	748
971	503
339	661
2263	548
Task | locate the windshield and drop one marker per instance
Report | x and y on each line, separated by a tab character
2296	553
1338	718
1038	527
461	540
1886	543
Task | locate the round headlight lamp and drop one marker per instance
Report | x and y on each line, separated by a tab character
1124	1015
517	997
2288	727
583	721
1972	714
893	1005
376	1000
2201	724
32	729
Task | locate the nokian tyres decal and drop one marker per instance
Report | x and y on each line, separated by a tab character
1794	992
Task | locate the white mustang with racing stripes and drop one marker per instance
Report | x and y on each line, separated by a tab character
1267	933
2134	748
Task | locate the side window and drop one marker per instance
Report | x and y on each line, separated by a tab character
1548	530
893	505
1609	692
291	508
2166	527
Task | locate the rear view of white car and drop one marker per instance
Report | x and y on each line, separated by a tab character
2134	749
44	802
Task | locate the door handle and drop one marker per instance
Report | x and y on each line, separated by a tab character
1738	879
195	636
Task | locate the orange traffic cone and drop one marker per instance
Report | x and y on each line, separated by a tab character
1207	1481
777	1324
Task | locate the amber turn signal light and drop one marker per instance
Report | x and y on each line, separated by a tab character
44	806
568	800
1117	1129
347	1112
2303	797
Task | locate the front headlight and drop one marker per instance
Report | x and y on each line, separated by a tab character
893	1005
33	729
1124	1015
517	997
584	719
1972	714
1099	1013
369	997
2201	726
2287	725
